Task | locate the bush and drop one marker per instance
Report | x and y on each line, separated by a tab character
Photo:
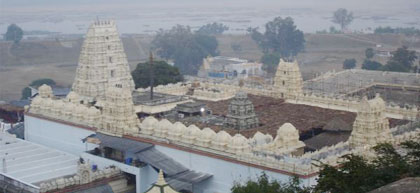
371	65
349	63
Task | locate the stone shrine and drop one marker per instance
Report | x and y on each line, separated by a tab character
241	114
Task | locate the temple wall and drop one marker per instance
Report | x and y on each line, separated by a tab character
56	135
225	173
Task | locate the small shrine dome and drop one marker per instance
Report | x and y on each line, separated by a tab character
149	122
208	134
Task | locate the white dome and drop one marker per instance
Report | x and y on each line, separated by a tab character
72	97
195	131
259	138
286	128
45	91
208	134
239	140
164	125
179	128
149	122
223	137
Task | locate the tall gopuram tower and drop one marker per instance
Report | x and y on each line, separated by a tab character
241	114
371	126
102	62
118	114
288	82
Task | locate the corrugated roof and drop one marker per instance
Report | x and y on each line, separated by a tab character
159	160
122	144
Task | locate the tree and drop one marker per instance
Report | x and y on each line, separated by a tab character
402	60
187	49
213	29
26	93
357	175
342	17
14	33
371	65
369	53
349	63
270	62
163	74
263	184
39	82
281	37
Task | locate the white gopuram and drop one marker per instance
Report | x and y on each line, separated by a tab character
118	115
288	82
102	62
371	126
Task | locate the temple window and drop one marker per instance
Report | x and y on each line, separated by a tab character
110	59
112	73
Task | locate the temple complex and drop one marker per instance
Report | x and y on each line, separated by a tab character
201	137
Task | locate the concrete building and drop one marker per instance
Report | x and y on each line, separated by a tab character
228	68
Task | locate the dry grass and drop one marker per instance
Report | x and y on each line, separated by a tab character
58	59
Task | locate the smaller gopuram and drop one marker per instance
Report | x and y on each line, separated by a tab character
288	81
241	114
119	116
371	126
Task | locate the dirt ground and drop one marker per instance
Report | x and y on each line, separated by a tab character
57	59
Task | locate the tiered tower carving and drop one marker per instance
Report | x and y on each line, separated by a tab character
241	114
102	62
118	115
288	82
371	126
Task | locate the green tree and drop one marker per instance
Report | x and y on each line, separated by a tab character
281	37
264	185
369	53
371	65
26	93
349	63
357	175
213	29
14	33
402	60
186	48
270	62
163	74
37	83
342	17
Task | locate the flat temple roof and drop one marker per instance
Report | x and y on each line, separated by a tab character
31	163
